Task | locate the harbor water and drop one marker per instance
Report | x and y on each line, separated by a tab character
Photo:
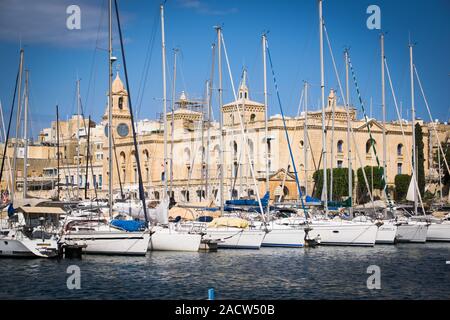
407	271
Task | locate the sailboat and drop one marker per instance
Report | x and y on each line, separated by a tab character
28	231
97	234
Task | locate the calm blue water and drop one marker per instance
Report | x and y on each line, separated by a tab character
408	271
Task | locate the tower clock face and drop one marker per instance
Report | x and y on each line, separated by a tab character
123	130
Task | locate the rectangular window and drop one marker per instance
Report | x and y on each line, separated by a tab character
399	168
100	180
94	180
339	164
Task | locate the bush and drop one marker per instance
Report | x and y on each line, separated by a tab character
401	186
361	191
340	183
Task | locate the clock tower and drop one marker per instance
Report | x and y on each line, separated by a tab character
121	119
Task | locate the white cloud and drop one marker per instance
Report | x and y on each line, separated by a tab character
44	22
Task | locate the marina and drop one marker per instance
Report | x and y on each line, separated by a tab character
224	193
266	274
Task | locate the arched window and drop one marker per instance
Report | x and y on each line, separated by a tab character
250	193
122	158
285	191
301	144
235	148
252	117
120	103
146	155
217	152
369	145
250	149
187	155
339	146
399	149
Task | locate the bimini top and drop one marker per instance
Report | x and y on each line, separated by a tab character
41	210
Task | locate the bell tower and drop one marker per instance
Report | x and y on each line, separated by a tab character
121	119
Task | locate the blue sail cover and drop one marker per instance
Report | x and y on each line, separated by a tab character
249	202
311	200
129	225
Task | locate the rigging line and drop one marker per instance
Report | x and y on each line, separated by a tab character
372	141
347	103
9	123
141	186
94	54
293	139
431	118
147	62
403	133
286	132
242	128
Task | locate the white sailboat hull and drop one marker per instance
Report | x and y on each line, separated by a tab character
170	240
439	232
412	233
28	248
104	242
345	234
386	234
234	238
289	238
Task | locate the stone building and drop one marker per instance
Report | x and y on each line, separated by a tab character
193	149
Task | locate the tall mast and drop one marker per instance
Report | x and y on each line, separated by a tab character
175	51
19	107
110	105
324	130
219	43
88	155
25	137
78	140
332	149
383	107
210	93
266	120
305	136
413	122
57	150
163	47
349	149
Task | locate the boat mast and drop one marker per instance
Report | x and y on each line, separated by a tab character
78	140
110	102
266	120
305	136
19	108
219	43
25	134
349	149
175	51
57	150
324	130
87	158
210	93
413	122
383	107
163	51
332	149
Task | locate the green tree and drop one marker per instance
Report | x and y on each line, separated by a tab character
340	183
444	171
420	159
401	186
375	184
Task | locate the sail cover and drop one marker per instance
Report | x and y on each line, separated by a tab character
161	213
410	194
129	225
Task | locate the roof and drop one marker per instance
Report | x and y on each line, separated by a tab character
41	210
245	102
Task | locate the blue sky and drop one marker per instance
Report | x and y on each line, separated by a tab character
55	55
